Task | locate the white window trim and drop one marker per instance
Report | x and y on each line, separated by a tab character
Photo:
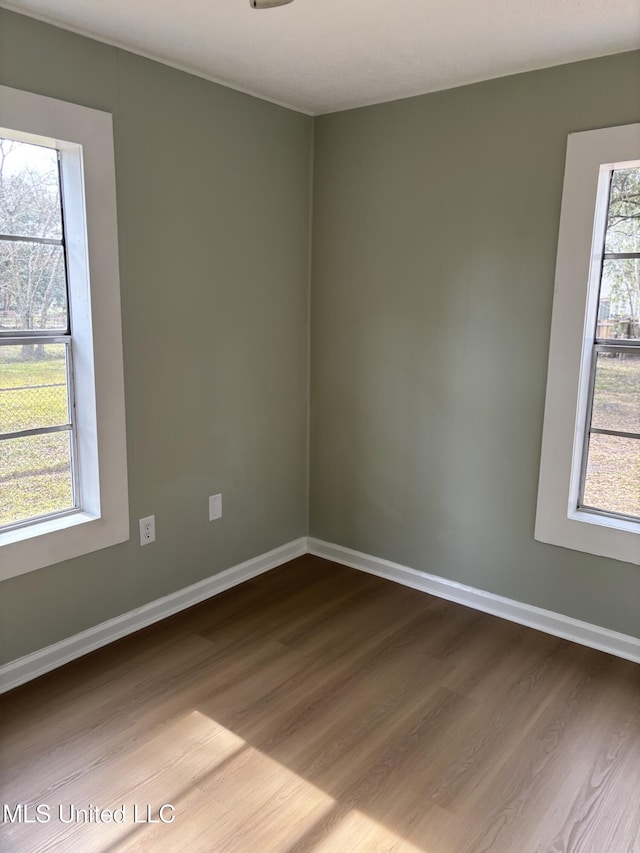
94	291
591	156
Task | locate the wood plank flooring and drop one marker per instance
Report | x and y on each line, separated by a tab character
317	708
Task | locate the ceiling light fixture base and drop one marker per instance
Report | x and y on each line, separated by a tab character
268	4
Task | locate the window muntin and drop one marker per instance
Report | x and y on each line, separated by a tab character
38	469
610	475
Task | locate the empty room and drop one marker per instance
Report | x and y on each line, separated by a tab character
320	426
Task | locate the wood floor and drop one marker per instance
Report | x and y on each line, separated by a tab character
317	708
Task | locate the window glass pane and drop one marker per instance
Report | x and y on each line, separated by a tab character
616	396
33	291
612	481
623	220
35	476
619	306
29	190
33	386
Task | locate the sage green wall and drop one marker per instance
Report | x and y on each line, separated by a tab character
435	229
213	213
434	243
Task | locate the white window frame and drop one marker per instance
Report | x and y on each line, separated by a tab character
591	157
84	138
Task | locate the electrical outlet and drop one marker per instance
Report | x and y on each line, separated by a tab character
147	530
215	507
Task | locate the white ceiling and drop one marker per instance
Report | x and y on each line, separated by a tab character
319	56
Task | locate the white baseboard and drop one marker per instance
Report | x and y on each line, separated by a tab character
621	645
44	660
38	663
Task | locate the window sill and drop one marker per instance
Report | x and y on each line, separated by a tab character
587	517
39	528
602	536
44	543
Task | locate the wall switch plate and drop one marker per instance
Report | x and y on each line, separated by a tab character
147	530
215	507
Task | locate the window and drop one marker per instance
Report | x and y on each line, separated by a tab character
38	464
610	477
63	484
589	490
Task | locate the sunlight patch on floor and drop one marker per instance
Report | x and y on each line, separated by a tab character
357	831
223	792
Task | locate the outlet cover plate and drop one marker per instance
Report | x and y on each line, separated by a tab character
215	507
147	530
